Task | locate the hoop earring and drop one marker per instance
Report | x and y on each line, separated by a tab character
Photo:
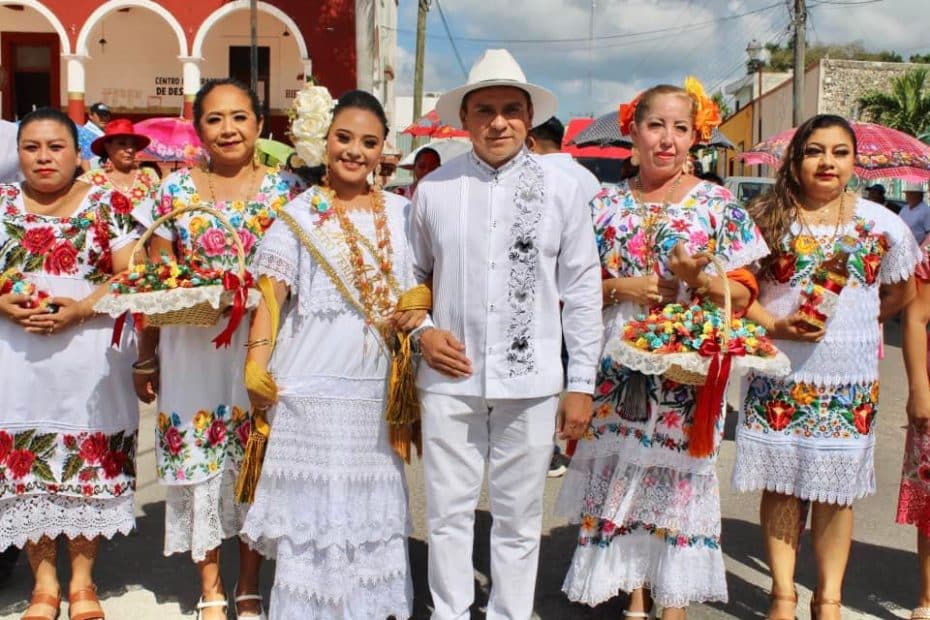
634	156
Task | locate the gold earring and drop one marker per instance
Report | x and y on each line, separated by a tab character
634	156
687	167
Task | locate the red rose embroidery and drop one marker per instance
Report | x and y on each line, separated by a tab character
93	448
174	441
87	490
6	445
87	474
217	432
783	268
38	240
20	489
70	442
243	432
870	265
113	464
120	203
105	262
779	414
19	462
62	259
862	417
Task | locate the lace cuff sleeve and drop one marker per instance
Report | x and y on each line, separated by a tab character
278	255
902	256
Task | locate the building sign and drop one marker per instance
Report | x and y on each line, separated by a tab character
168	86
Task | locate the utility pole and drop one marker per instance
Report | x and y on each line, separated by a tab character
800	31
422	10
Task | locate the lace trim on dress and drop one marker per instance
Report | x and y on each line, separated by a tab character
529	199
269	262
676	576
29	518
159	302
386	599
198	517
816	474
900	261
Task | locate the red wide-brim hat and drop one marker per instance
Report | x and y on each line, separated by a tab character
116	128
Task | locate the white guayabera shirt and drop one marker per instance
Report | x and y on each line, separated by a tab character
503	248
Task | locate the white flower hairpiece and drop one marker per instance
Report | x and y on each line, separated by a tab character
311	114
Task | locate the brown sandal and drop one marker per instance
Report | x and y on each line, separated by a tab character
815	603
783	597
41	598
88	595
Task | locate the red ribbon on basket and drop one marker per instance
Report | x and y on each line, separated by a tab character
240	288
138	320
710	396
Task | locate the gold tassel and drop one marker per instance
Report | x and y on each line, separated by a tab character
259	381
402	412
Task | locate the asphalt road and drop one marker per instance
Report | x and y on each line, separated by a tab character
137	582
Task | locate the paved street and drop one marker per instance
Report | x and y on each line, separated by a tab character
138	583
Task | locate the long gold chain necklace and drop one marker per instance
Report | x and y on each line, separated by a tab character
840	216
125	189
373	289
248	188
650	219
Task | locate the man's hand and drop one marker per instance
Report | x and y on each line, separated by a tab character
577	409
444	353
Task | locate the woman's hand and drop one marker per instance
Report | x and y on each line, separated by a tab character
794	327
687	267
918	410
259	402
68	312
643	290
145	382
407	320
11	306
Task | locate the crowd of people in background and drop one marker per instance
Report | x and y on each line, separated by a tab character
524	267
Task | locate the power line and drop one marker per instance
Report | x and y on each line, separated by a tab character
445	25
619	35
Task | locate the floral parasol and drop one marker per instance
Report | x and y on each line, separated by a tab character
883	153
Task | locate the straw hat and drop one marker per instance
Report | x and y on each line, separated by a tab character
914	187
115	128
496	68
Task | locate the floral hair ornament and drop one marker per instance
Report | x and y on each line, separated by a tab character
311	114
707	115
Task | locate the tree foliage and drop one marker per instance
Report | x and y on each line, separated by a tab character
905	106
782	58
721	102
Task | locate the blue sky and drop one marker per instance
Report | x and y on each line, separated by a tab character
637	43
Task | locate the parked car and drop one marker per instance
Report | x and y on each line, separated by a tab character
746	189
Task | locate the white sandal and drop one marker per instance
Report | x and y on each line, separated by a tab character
637	614
920	613
251	597
202	604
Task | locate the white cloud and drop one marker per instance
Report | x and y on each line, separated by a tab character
638	42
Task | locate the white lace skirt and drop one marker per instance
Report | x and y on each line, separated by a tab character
199	517
643	526
332	502
28	518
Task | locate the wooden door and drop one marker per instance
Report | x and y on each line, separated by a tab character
32	63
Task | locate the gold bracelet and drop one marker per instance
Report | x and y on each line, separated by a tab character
145	371
150	363
257	343
612	295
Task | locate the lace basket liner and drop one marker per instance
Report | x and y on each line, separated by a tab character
200	306
648	363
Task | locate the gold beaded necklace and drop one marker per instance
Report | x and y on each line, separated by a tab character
248	188
650	220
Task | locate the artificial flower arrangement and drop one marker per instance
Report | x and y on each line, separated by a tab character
15	282
310	115
178	292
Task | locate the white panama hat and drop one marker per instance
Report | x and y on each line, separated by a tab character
496	68
913	187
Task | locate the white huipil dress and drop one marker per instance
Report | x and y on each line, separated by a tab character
332	500
812	434
203	421
69	421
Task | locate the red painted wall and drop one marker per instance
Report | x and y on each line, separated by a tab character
328	27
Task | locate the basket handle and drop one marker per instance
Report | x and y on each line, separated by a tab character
237	241
727	297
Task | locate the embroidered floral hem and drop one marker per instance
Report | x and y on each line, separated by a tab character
83	464
190	452
914	496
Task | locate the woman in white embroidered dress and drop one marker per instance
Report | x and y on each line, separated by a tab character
332	496
203	419
649	510
809	437
120	171
68	428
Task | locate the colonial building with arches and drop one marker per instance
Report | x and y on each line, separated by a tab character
148	57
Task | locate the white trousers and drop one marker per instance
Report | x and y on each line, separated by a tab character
514	439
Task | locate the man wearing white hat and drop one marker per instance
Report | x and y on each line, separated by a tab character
504	237
916	213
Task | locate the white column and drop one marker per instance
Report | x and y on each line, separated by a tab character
308	68
191	74
76	83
